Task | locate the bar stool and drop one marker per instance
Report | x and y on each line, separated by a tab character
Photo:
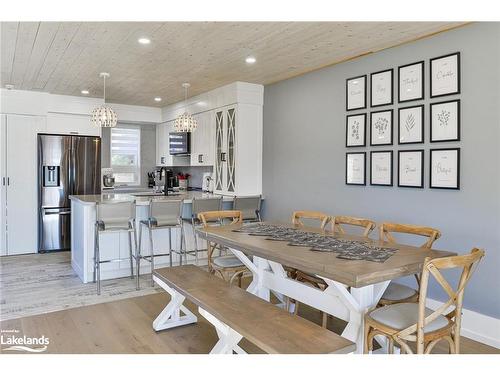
113	216
201	205
249	207
163	214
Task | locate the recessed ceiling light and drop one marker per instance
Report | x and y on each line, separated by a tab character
157	99
144	40
250	60
8	86
85	92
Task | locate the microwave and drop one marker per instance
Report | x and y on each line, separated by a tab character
179	143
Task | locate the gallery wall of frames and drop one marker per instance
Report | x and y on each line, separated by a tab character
379	123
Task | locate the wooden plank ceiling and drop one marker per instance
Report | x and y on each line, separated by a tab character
66	57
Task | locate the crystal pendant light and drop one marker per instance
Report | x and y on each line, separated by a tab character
104	116
185	123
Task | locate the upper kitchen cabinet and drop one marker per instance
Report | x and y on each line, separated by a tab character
232	141
203	140
163	157
71	124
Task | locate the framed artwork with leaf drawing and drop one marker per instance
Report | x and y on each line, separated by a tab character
411	125
445	121
356	130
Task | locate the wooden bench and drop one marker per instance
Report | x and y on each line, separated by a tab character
236	313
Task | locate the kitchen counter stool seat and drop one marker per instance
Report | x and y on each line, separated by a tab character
249	207
113	217
162	215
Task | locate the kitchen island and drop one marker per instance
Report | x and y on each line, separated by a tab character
115	245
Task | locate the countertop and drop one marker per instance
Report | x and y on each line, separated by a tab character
186	196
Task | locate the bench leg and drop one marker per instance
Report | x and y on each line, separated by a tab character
171	316
228	337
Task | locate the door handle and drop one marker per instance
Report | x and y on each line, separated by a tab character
57	213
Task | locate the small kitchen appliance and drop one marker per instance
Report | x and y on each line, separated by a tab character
207	183
108	181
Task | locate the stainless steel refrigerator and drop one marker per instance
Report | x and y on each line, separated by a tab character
67	165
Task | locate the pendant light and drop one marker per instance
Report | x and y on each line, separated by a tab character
104	116
185	123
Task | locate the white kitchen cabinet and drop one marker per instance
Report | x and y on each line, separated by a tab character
163	157
203	140
58	123
3	187
238	150
19	183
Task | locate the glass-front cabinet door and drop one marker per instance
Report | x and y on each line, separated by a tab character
225	150
231	152
219	152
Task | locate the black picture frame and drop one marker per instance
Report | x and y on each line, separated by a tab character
421	185
392	88
432	150
391	183
364	167
422	125
364	77
392	128
458	121
458	75
347	130
422	63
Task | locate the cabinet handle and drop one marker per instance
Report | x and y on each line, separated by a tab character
3	181
200	158
162	160
222	156
73	132
8	181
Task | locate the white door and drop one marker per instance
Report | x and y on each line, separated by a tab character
22	183
3	185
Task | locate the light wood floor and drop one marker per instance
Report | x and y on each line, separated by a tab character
125	327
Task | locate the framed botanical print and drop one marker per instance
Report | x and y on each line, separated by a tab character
381	128
381	168
356	130
411	82
355	93
410	168
355	168
445	75
381	88
445	121
411	125
445	168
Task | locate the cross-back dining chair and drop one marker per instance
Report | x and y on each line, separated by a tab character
297	219
299	216
227	266
396	292
339	221
414	322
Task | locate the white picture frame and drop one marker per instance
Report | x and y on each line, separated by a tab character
355	168
411	82
381	168
356	130
445	168
356	93
411	125
381	128
381	88
410	168
445	75
445	121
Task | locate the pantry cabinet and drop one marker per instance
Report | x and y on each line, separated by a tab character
19	208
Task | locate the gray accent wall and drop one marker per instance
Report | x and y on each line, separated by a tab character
304	153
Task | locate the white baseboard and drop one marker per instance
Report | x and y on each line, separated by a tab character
476	326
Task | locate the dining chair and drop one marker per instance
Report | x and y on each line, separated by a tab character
414	322
304	277
299	216
338	221
229	267
249	207
113	216
396	292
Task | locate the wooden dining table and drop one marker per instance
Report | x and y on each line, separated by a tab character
354	286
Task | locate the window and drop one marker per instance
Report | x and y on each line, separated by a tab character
126	155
